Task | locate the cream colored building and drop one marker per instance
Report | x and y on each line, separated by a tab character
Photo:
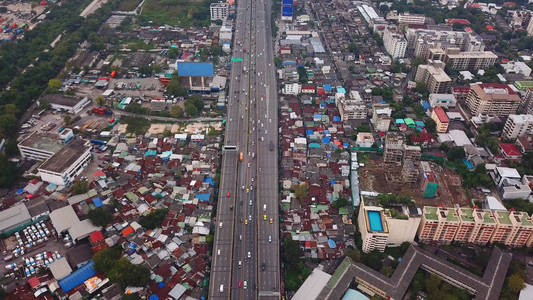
492	99
432	75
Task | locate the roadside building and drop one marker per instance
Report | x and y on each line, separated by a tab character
407	19
196	76
65	103
393	150
433	76
517	126
312	286
13	217
219	11
492	99
66	164
441	119
381	116
374	230
513	228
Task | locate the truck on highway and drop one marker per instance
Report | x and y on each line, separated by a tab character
241	157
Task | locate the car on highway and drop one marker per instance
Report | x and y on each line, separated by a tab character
240	283
250	202
271	221
245	221
245	284
270	239
240	264
263	267
250	217
228	194
249	254
265	217
248	190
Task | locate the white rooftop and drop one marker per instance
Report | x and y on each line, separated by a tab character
312	286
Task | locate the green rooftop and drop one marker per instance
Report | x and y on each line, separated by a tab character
345	264
467	214
503	217
523	85
487	217
452	215
526	221
430	212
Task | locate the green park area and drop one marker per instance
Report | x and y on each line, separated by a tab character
176	12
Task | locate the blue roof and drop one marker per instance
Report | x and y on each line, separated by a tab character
331	181
317	116
345	145
354	295
341	90
314	145
203	197
420	123
288	62
286	2
336	118
150	153
20	191
332	244
78	277
195	69
97	202
209	180
327	87
325	140
426	105
309	132
154	297
286	11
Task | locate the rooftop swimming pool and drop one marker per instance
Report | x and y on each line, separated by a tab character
374	219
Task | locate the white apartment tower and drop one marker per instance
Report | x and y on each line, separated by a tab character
219	11
394	42
517	126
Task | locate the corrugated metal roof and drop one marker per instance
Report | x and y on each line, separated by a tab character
78	277
195	69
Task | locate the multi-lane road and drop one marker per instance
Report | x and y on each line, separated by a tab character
246	248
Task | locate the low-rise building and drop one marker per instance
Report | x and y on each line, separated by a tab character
40	146
64	103
364	139
292	89
66	164
381	116
443	100
517	67
351	109
13	217
441	119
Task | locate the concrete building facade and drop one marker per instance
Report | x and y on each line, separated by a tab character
517	126
394	42
433	76
66	164
492	99
218	11
441	119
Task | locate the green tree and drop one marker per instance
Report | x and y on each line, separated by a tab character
105	259
341	202
132	296
80	187
292	253
127	274
100	100
387	271
431	126
300	191
173	53
176	111
11	109
516	282
355	255
100	216
9	172
174	88
153	219
432	283
455	154
54	84
302	74
8	125
191	110
67	119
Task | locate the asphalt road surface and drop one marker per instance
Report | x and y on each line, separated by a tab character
246	250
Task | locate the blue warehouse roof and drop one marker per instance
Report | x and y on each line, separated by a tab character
77	277
195	69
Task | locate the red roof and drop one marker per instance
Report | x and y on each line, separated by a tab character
489	27
34	281
441	114
510	150
458	21
468	29
127	231
308	87
96	237
461	89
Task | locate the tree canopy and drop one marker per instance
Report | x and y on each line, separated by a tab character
80	187
119	269
100	216
153	219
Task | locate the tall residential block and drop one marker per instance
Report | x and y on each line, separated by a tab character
219	11
394	42
517	126
441	119
438	225
492	99
433	76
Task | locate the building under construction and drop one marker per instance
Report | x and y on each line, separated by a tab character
429	183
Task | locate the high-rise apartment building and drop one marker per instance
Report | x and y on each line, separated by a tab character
432	75
394	42
438	225
219	11
420	40
517	126
513	228
459	60
492	99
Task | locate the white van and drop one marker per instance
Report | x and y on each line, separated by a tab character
264	207
221	288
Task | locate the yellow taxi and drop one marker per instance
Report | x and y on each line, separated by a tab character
245	221
265	217
271	220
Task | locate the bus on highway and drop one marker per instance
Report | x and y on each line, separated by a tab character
241	157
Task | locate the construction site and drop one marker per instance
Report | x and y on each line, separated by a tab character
401	171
